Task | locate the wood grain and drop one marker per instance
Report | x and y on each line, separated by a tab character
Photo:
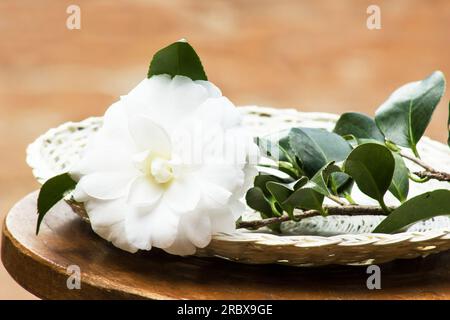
39	264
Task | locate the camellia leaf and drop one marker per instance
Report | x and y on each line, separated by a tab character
358	125
319	182
372	166
256	200
281	193
261	181
276	147
405	115
52	191
317	147
341	184
400	182
179	58
424	206
305	198
300	182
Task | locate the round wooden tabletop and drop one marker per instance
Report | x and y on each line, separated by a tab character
40	264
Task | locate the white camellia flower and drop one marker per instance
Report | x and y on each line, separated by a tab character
168	168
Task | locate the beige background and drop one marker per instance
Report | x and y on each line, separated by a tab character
312	55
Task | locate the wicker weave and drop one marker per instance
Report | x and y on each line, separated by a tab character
330	240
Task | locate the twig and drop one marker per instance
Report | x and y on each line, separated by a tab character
418	162
430	172
441	176
342	211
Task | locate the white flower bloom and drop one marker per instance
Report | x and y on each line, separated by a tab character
168	168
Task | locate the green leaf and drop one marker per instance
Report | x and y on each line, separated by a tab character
372	166
400	183
317	147
280	140
179	58
281	193
261	181
319	182
358	125
300	182
405	115
257	201
341	184
424	206
52	191
276	147
305	198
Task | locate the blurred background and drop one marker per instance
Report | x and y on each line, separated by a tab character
310	55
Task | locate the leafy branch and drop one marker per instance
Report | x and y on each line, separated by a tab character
341	211
361	150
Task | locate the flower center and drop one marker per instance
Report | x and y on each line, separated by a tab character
155	166
161	170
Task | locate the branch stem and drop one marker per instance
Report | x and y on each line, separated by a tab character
343	211
441	176
417	161
430	172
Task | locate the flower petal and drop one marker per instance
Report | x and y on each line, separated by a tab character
220	111
163	99
149	136
107	220
228	177
144	192
216	193
222	221
197	227
110	148
106	185
182	195
147	227
181	246
213	90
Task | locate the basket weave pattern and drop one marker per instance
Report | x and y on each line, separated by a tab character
56	151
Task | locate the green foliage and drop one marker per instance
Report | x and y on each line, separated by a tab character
372	166
179	58
257	201
400	182
340	184
306	198
280	194
317	147
424	206
358	125
360	149
319	182
405	115
52	191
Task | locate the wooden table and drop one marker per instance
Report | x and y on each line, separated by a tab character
39	264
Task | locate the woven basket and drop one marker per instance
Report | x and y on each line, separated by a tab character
310	242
